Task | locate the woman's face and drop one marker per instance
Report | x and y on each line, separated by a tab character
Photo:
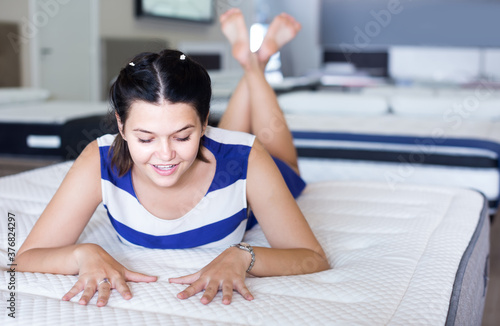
163	140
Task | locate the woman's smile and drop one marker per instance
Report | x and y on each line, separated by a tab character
165	169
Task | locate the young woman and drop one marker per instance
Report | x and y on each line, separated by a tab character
168	180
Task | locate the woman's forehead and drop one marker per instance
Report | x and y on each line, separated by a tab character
165	116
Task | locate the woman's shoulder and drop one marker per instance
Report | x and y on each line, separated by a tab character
88	161
229	137
90	152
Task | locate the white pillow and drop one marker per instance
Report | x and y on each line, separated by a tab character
333	103
447	107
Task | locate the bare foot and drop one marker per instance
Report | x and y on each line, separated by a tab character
234	28
282	30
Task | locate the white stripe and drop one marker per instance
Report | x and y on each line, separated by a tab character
216	206
106	140
230	137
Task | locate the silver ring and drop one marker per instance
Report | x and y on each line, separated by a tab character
105	280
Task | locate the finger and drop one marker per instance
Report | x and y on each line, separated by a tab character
122	287
191	290
188	279
227	293
88	292
210	292
139	277
104	291
77	288
244	291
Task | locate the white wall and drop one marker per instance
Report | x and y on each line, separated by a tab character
303	54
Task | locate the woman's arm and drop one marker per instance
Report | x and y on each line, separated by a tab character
294	248
50	246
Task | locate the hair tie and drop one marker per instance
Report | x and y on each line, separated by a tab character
183	57
131	64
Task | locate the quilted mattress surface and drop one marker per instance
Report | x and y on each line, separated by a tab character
394	255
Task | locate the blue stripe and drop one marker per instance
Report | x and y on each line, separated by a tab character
189	239
232	163
438	141
110	173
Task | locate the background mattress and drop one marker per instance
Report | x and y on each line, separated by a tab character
59	129
396	149
409	255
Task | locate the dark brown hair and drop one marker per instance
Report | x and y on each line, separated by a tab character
154	77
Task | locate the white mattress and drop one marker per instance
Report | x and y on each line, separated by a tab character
22	95
394	255
51	112
484	180
483	106
393	125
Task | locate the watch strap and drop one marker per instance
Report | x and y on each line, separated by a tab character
245	246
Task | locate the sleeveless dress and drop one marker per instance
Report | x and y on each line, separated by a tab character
220	219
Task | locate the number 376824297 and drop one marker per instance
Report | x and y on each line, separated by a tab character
11	237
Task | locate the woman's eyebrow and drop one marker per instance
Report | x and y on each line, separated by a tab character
177	131
186	127
142	130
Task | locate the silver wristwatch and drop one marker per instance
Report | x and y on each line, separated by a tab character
245	246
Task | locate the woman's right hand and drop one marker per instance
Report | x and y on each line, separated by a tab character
96	265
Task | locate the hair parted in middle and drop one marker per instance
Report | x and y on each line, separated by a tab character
168	76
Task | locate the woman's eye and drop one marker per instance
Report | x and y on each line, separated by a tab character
144	140
183	139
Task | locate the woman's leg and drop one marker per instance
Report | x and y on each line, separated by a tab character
237	114
254	107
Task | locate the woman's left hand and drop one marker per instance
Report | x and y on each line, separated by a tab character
227	272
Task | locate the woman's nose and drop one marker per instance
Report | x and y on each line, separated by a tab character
166	152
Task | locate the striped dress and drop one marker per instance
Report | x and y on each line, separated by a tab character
218	220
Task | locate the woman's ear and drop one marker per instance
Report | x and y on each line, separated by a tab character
120	125
204	127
